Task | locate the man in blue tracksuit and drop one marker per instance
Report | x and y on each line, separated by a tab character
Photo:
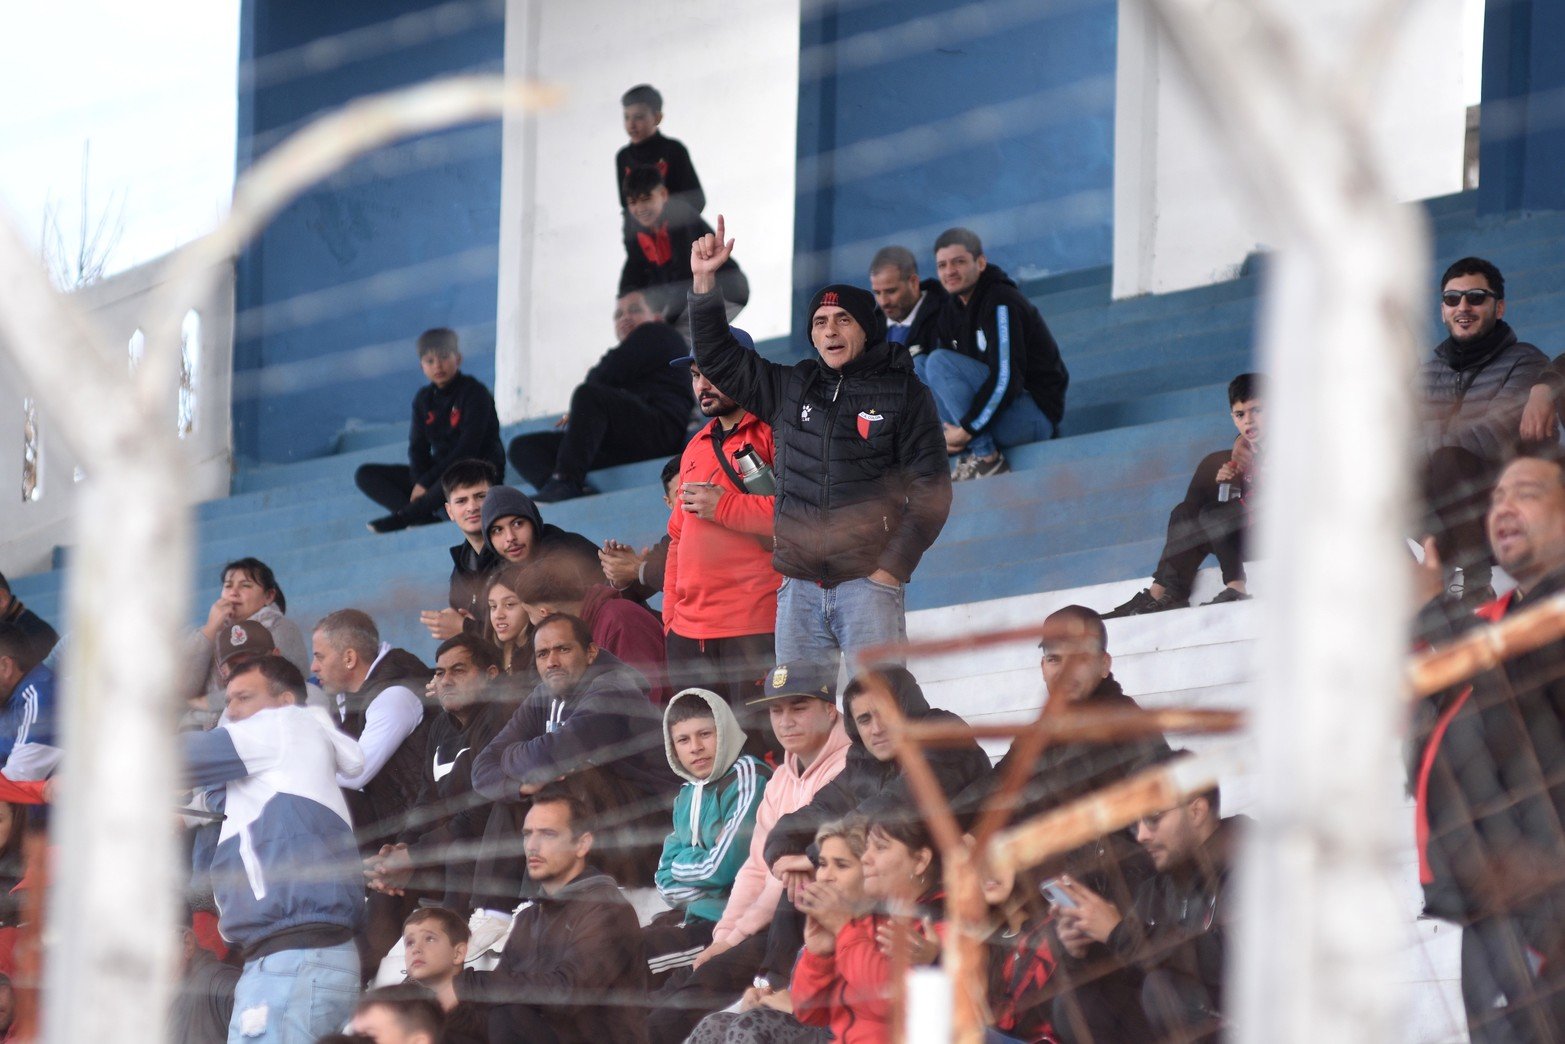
27	742
998	378
286	874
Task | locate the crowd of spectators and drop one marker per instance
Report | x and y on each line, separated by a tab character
591	820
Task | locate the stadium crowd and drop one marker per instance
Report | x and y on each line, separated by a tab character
589	821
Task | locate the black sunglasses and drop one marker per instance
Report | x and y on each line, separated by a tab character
1452	298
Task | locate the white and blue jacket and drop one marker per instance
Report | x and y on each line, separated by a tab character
286	855
27	737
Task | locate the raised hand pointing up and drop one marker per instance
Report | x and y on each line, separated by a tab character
707	255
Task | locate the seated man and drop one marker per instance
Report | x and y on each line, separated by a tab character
998	377
1475	387
12	611
286	871
399	1015
588	720
548	587
466	483
912	306
630	407
572	970
27	725
453	419
1213	517
378	694
800	701
714	816
204	993
639	574
516	531
657	248
434	945
1175	929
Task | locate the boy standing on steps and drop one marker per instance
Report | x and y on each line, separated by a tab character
1214	515
649	148
453	419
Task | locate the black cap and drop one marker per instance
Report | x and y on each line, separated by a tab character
799	678
854	300
743	337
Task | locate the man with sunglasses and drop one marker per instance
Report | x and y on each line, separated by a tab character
1474	388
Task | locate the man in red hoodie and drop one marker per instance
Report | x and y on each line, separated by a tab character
719	587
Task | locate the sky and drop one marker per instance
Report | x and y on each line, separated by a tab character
149	89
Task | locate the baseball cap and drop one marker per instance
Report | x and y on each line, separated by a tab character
247	637
745	341
798	679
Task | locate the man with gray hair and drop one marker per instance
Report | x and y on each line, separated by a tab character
377	695
912	306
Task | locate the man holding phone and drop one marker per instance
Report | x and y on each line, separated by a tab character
719	587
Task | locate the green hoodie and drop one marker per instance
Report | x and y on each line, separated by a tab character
713	818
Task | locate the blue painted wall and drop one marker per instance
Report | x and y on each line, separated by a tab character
999	116
1521	151
335	290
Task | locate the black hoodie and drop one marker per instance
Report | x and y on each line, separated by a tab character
1001	329
864	777
660	258
453	423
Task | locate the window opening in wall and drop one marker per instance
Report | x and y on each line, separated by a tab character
137	347
189	359
32	452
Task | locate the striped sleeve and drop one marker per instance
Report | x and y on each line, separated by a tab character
1002	379
717	865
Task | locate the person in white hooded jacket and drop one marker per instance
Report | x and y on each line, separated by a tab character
286	873
714	816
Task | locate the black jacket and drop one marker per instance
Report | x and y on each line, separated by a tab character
453	423
448	811
1474	394
576	957
1179	917
1001	329
861	468
380	808
640	364
660	257
41	638
604	721
672	160
924	334
470	572
863	777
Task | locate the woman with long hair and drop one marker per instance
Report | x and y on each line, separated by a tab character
509	627
1021	958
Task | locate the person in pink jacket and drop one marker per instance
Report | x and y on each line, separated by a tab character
800	700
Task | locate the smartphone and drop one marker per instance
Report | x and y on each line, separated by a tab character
1057	895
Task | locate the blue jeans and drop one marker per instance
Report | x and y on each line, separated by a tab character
955	378
295	996
815	624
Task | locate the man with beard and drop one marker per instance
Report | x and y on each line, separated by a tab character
912	306
719	587
1474	389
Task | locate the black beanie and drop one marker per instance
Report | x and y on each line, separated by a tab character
857	302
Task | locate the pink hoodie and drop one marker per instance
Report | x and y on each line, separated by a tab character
755	894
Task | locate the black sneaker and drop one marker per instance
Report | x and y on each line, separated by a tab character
388	524
1228	594
558	489
1143	603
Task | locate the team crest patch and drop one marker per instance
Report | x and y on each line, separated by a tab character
779	677
830	298
867	421
237	636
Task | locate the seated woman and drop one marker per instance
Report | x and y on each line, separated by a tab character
765	1015
509	627
843	978
1021	959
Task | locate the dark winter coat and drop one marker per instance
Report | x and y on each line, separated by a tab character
640	365
957	768
659	258
1180	917
1474	394
924	333
576	957
453	423
1000	328
470	572
672	160
379	808
861	469
605	720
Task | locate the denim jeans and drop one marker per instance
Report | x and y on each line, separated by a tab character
295	996
817	624
955	378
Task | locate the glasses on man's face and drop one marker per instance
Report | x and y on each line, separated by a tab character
1150	822
1452	298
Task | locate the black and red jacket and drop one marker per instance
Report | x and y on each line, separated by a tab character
453	423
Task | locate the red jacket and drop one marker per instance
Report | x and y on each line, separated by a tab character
630	632
848	991
719	581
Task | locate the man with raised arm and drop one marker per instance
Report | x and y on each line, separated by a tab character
862	489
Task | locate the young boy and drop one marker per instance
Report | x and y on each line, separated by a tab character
714	816
658	235
434	947
1212	518
643	107
465	484
453	419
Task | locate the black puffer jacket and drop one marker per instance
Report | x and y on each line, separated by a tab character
1000	328
862	479
380	809
1474	394
864	777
